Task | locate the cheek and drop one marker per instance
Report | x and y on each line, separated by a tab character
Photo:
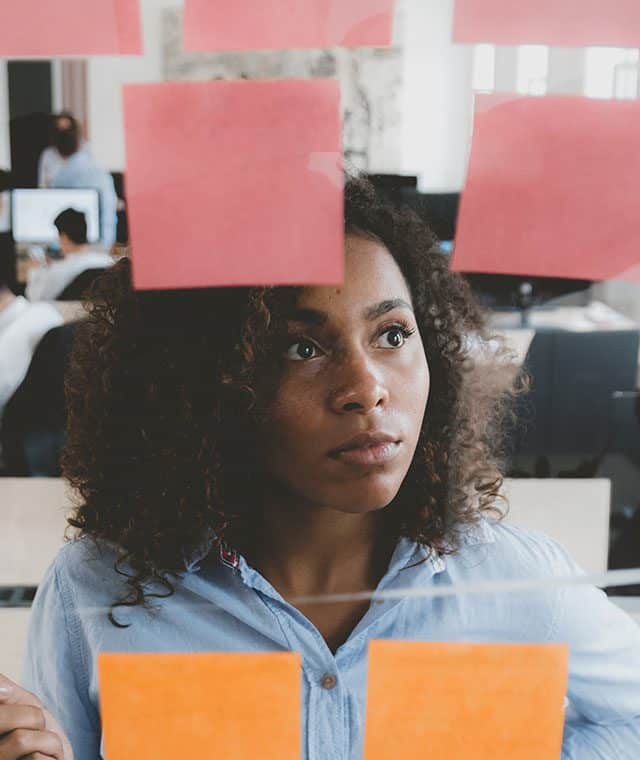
413	384
291	419
424	386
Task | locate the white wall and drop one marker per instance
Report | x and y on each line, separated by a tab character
106	77
566	71
437	99
506	67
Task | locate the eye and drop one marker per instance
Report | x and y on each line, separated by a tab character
393	337
301	350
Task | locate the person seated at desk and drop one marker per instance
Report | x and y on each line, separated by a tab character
22	326
48	283
237	450
79	170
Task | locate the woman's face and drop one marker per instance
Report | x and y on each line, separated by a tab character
347	414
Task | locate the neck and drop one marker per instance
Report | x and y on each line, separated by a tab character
6	298
304	550
76	249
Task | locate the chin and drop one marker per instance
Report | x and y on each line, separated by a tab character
363	500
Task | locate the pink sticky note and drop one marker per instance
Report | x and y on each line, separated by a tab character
235	183
255	24
552	189
550	22
49	28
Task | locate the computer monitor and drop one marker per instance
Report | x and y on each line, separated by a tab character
34	211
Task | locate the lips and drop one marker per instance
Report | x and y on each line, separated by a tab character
367	449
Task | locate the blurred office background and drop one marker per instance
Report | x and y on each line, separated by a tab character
574	457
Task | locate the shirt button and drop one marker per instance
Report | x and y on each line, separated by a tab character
328	681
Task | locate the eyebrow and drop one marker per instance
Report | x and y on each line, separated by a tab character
319	318
373	312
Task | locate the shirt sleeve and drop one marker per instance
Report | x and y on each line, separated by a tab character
603	718
44	179
55	665
36	284
109	211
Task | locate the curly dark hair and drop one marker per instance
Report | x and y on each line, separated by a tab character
166	392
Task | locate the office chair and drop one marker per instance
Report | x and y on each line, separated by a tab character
75	290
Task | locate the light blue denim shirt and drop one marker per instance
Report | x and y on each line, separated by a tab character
81	171
225	605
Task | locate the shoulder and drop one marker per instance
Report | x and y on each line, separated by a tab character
512	552
33	322
84	573
44	312
97	259
80	555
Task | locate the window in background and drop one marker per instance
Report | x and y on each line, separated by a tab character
484	68
533	69
611	72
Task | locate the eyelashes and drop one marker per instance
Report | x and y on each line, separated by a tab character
300	347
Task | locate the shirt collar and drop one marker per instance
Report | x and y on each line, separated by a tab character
406	553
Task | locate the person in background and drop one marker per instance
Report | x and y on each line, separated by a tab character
47	283
51	160
22	326
79	170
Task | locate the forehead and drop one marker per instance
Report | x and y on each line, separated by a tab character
371	276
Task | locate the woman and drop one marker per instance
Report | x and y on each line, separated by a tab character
237	450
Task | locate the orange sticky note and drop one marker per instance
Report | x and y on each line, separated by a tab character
575	23
235	183
551	189
462	701
170	706
255	24
49	28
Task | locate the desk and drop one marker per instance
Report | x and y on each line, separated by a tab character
24	262
595	316
630	604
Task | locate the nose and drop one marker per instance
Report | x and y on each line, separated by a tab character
359	388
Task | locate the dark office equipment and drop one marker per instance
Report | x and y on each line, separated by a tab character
122	230
30	104
8	261
34	419
574	376
76	290
624	426
507	292
438	210
7	247
393	185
